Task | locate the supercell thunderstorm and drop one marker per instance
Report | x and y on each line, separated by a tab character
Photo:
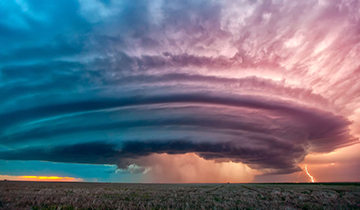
263	83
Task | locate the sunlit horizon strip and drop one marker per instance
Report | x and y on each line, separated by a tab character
40	178
48	177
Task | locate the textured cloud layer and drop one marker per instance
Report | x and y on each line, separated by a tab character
263	83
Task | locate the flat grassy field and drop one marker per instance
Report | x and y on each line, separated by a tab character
47	195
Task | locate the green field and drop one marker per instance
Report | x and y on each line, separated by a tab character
47	195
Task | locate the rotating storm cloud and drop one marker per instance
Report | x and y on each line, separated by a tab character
173	90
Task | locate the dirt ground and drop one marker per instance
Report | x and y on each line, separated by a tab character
46	195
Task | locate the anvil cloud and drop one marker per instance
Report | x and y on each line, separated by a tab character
259	83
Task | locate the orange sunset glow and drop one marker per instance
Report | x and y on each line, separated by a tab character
41	178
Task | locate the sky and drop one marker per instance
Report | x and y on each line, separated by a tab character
180	91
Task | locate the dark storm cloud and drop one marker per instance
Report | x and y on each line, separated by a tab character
100	153
94	153
251	141
227	150
109	82
9	119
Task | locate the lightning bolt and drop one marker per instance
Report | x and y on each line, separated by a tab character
306	170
